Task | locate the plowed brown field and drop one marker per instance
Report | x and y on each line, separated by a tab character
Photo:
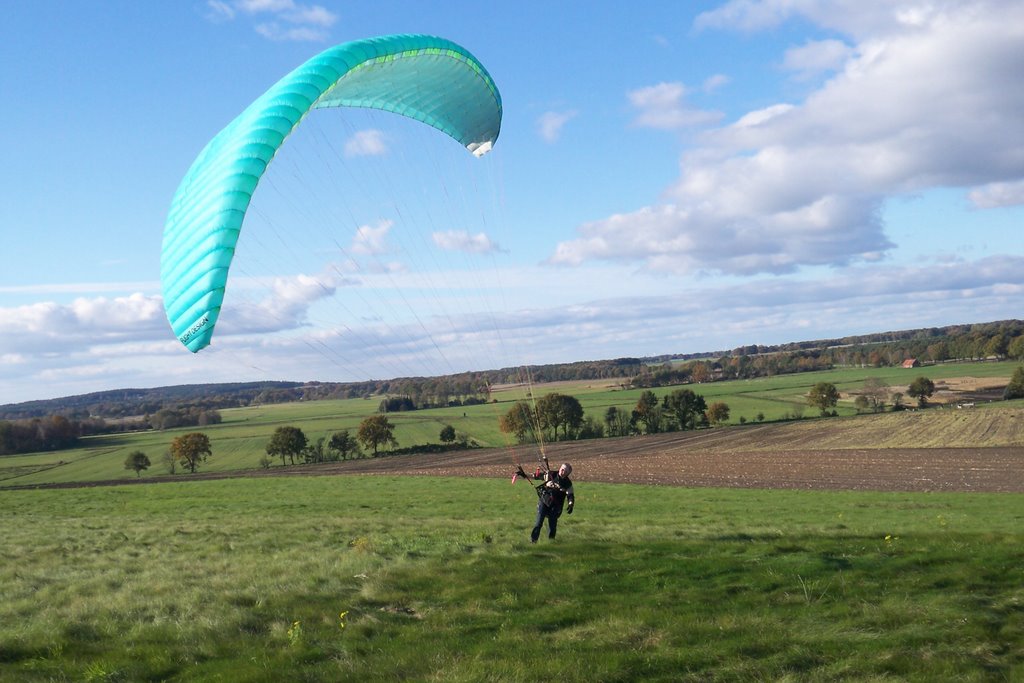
933	450
674	460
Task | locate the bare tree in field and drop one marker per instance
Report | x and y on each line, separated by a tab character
876	390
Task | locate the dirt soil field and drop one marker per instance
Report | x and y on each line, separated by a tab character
932	450
683	460
978	450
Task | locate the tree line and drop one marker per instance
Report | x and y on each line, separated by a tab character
40	434
57	432
560	417
292	446
553	417
997	341
188	450
182	416
1000	340
126	403
374	433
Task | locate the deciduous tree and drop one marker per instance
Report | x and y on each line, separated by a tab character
875	391
997	346
286	442
170	461
700	372
1016	348
519	421
447	434
1015	389
556	411
718	412
616	421
376	431
685	408
191	449
138	461
315	451
938	352
344	445
823	396
648	412
921	388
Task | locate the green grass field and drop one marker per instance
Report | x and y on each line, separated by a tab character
240	441
428	579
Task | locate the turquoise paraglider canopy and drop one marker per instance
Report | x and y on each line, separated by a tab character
425	78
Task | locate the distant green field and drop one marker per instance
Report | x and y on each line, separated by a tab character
240	441
782	394
429	579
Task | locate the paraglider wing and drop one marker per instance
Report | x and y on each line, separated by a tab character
425	78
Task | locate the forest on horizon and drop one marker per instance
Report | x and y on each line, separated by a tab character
997	340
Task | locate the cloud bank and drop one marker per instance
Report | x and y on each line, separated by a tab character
920	96
55	349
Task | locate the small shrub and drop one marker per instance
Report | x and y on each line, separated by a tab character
1015	389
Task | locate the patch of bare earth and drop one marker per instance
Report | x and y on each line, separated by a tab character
930	450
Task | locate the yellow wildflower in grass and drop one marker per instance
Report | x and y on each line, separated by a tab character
341	620
295	633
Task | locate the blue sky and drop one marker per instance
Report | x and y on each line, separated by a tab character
670	177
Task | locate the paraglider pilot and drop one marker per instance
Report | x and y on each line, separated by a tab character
552	494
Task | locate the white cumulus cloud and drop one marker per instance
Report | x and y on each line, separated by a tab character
550	124
372	240
714	82
275	31
281	20
460	240
370	142
220	11
663	106
998	194
51	326
855	17
927	99
817	56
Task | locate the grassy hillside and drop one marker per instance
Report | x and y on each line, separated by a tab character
240	441
383	579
